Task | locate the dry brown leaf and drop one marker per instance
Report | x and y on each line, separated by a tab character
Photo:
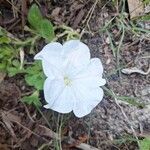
8	123
44	131
136	8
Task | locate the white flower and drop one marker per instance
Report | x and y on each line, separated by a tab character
73	79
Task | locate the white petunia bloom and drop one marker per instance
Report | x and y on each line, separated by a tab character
73	79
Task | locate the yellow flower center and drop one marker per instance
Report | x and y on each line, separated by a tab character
67	81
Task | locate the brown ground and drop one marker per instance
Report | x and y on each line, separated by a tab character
22	127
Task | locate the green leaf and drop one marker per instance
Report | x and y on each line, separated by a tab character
145	144
16	63
146	17
35	16
32	99
43	26
3	66
4	39
34	75
2	32
131	100
146	2
14	68
46	30
12	71
35	80
7	53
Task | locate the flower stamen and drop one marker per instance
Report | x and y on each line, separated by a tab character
67	81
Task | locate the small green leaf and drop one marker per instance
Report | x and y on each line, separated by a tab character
34	75
145	144
132	101
7	53
46	30
35	80
16	63
3	66
146	17
5	40
35	16
12	71
146	2
2	32
32	99
43	26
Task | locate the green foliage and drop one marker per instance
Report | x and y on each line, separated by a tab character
145	144
46	30
145	17
14	68
6	56
146	2
35	17
10	63
5	40
32	99
34	75
43	26
130	100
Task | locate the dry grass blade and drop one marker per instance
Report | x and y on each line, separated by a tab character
126	118
87	18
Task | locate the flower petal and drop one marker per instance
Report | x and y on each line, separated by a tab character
87	99
77	55
65	102
51	58
51	71
50	50
92	75
52	90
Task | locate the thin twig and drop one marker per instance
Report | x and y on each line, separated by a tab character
13	6
88	17
28	114
43	117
